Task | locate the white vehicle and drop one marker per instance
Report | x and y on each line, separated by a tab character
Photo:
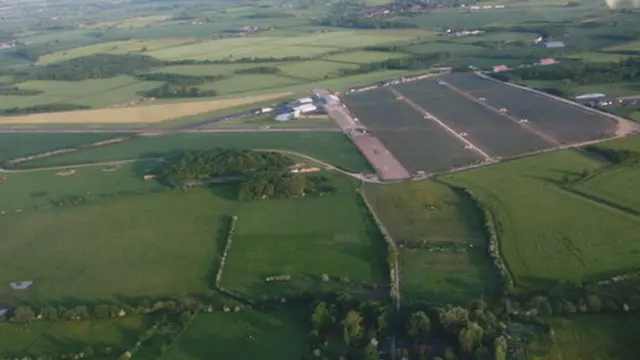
463	134
524	120
482	99
503	110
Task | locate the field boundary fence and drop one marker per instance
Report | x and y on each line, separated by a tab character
392	251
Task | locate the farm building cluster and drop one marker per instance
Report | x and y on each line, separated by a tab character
295	109
602	100
541	62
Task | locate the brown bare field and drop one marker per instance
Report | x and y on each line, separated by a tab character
147	115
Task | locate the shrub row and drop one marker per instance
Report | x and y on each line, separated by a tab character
392	251
227	246
494	245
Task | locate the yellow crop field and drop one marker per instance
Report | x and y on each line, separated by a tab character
136	115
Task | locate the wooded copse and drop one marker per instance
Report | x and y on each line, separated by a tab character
261	174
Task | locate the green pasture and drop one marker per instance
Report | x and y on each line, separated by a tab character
304	46
247	335
332	147
609	89
437	214
596	57
324	235
211	69
363	57
548	234
454	48
62	337
629	143
592	337
506	36
16	145
92	92
36	190
616	186
115	47
315	69
628	46
254	82
168	240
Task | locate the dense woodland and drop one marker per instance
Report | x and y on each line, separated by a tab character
616	156
262	175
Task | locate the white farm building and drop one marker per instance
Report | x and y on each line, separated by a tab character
304	108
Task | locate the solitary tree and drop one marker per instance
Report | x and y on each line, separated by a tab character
321	317
352	327
419	325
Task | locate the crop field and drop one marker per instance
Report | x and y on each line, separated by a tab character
49	338
418	143
332	147
115	47
315	70
363	57
141	115
546	233
616	186
304	46
437	215
36	190
247	335
593	337
489	131
93	92
431	47
210	69
16	145
567	124
330	235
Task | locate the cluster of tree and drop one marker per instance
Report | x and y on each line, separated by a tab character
385	48
57	107
271	185
178	91
356	22
409	62
259	70
616	156
194	166
581	72
16	91
180	79
270	15
232	60
95	66
342	327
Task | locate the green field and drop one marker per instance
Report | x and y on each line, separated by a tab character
243	336
548	234
44	189
436	214
16	145
93	92
63	337
363	57
616	186
589	337
326	235
332	147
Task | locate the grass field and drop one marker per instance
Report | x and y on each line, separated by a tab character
629	46
53	338
16	145
431	47
326	235
332	147
436	214
115	47
616	186
596	56
44	189
363	57
304	46
141	115
548	234
243	83
243	336
93	92
592	337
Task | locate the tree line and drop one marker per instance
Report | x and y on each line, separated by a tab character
409	62
178	85
56	107
616	156
580	72
356	22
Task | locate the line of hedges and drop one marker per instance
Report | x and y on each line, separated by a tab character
494	244
392	251
227	246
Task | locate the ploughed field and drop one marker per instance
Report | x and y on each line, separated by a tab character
489	131
567	124
418	143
